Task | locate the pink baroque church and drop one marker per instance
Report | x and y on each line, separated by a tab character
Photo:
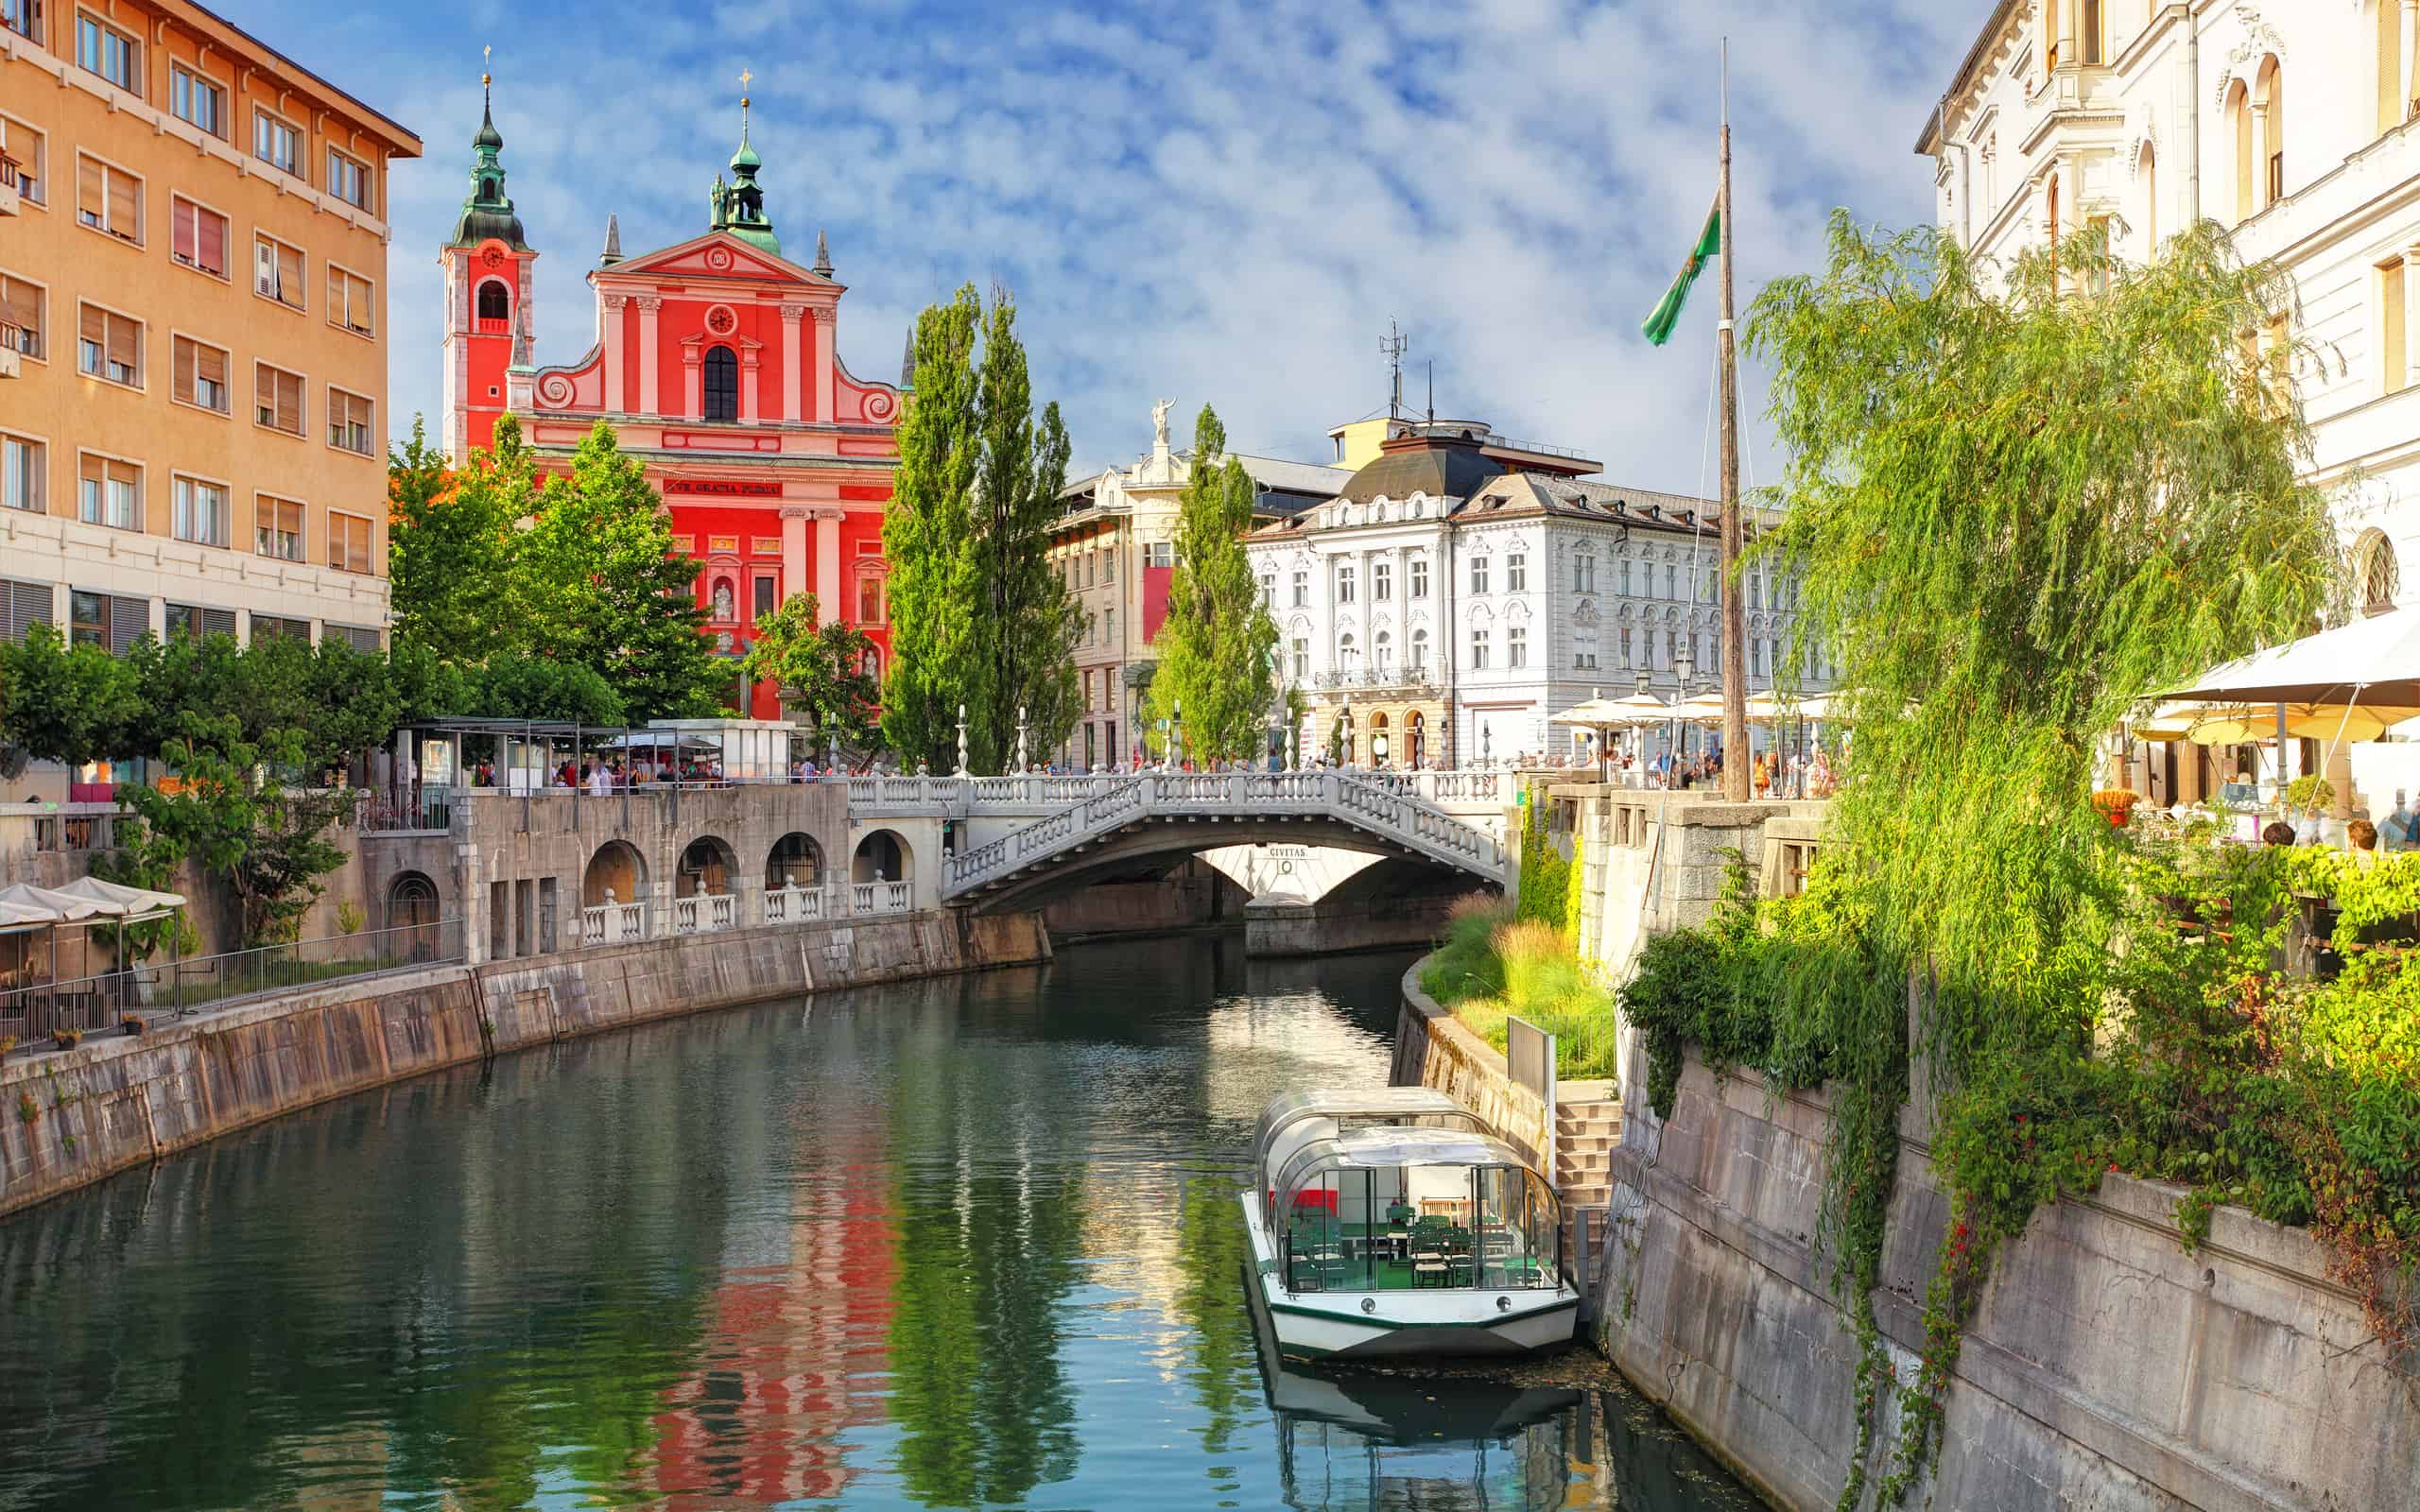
715	362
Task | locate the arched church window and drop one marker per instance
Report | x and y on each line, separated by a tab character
722	383
495	305
2374	564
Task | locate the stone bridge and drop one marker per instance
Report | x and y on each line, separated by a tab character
1028	837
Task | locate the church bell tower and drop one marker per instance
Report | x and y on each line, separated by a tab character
488	286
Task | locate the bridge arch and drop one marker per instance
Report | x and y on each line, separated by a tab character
795	860
707	866
1161	846
617	867
883	856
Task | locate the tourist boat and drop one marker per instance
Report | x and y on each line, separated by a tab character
1389	1222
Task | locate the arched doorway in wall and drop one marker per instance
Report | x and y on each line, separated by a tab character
882	856
795	860
1382	743
707	867
412	909
617	870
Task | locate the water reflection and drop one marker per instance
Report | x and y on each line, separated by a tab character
954	1244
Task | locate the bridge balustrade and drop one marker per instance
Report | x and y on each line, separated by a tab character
612	924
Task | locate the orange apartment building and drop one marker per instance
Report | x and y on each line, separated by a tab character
193	333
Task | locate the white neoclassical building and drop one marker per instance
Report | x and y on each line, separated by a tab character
2291	122
1456	593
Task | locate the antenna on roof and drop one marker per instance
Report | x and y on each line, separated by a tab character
1393	347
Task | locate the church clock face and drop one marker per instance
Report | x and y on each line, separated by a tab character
721	321
493	258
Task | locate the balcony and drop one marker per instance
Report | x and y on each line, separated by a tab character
1395	683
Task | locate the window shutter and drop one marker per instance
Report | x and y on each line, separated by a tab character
92	188
265	269
335	294
214	243
289	276
125	205
210	363
289	403
125	344
185	356
217	622
129	620
20	303
186	241
93	324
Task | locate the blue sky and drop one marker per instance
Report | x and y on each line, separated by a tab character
1217	201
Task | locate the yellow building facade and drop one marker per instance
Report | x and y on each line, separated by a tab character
192	331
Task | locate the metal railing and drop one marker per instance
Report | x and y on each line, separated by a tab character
32	1010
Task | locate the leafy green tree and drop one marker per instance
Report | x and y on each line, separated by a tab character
65	703
231	817
604	586
928	535
1218	646
822	672
451	543
514	686
1026	634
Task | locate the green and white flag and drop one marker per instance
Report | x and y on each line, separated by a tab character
1668	313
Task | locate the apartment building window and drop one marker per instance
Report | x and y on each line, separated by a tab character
196	237
24	17
1382	582
23	307
1625	643
277	143
1516	572
24	464
108	52
277	270
198	100
1417	583
1584	650
31	148
270	627
1301	659
88	618
109	346
277	399
348	180
1516	646
276	528
2095	47
1268	590
201	375
1479	575
1343	585
1479	651
1583	573
1302	589
348	542
1621	579
2394	356
200	513
200	622
1161	554
1671	581
348	422
1419	662
765	596
109	200
1109	565
109	493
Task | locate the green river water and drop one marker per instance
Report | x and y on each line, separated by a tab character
958	1244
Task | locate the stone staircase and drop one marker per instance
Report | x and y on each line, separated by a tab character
1587	1125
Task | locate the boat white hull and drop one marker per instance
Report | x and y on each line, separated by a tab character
1336	1325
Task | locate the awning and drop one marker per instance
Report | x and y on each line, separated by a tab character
119	896
44	906
2372	663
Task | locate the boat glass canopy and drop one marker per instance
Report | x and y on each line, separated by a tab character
1396	1208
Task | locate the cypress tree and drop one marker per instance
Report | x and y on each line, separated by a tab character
1218	646
928	535
1026	641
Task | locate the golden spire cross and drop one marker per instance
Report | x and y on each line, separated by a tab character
486	54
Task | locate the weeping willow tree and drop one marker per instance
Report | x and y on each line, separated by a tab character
2021	501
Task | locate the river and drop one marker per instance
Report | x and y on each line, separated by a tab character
964	1243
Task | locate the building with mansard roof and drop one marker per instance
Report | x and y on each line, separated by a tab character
716	362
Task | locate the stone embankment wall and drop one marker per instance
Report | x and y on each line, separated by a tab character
1435	1049
69	1119
2105	1366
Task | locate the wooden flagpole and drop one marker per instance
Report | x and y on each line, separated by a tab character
1735	662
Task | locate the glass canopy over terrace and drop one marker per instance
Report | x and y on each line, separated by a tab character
1363	1198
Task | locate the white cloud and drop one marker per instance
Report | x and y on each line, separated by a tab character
1223	202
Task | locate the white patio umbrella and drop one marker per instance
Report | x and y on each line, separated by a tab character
1602	713
2350	683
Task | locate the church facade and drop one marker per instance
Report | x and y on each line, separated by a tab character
716	363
